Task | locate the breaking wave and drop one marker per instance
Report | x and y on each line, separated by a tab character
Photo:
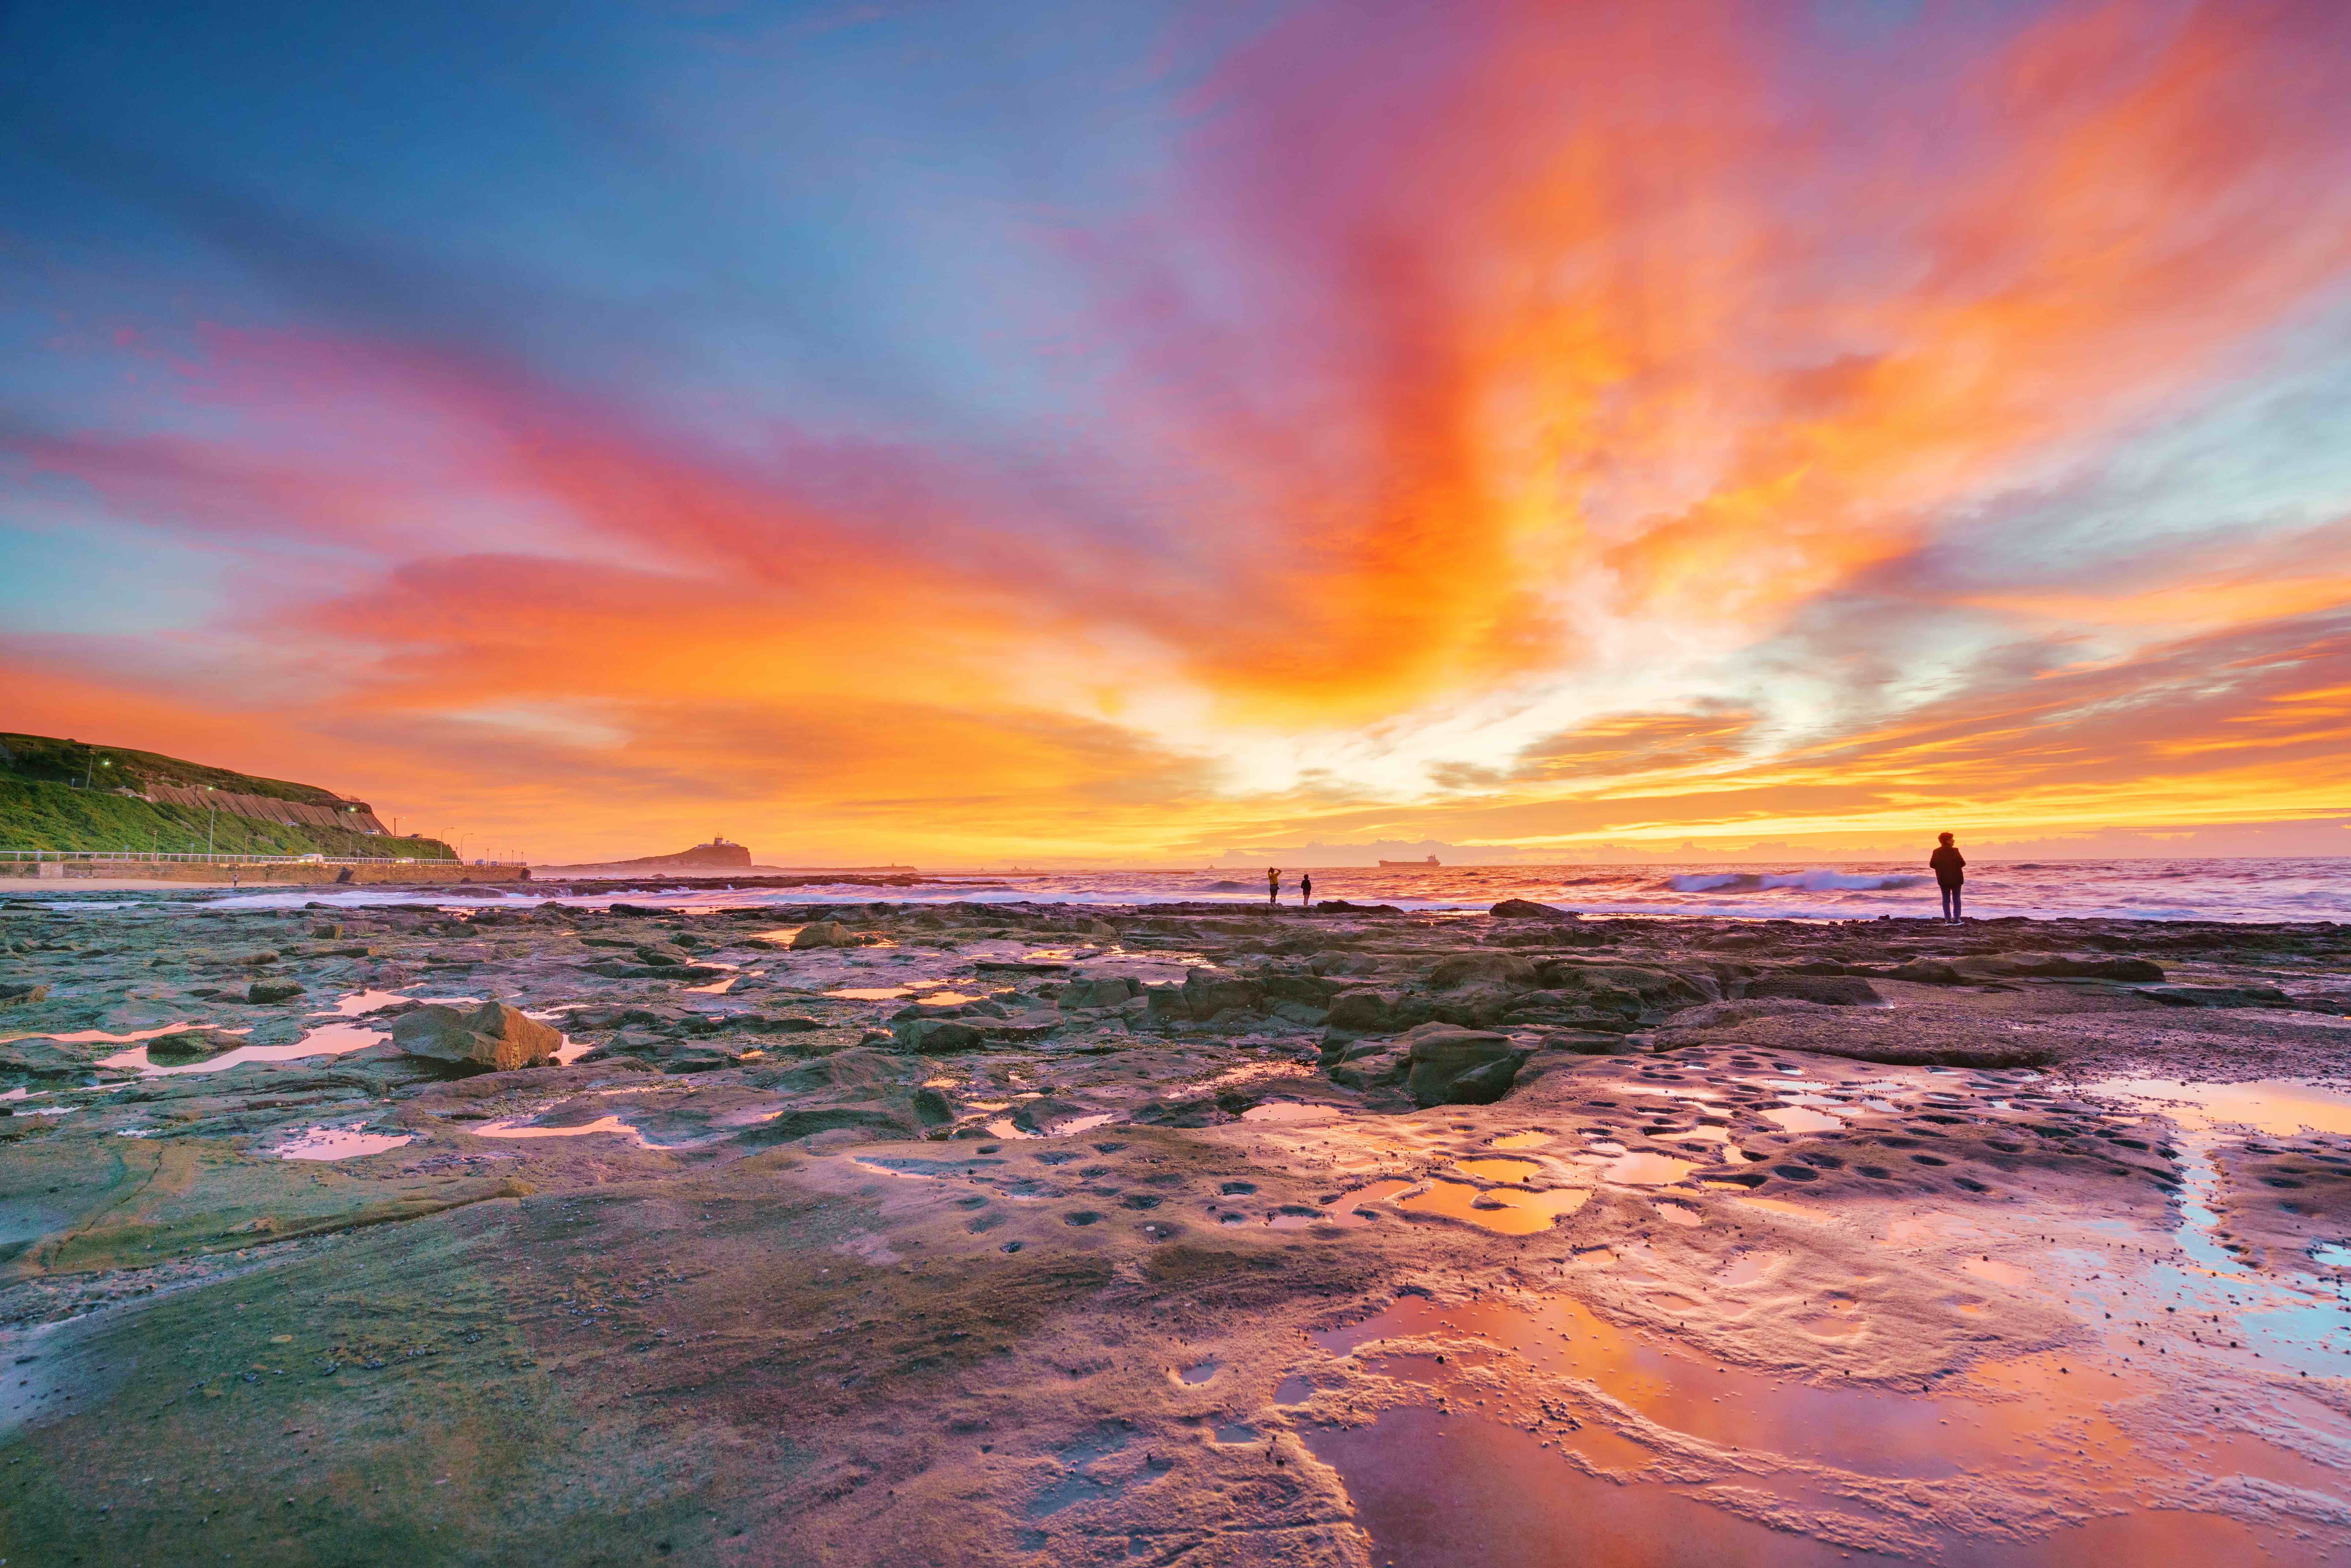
1807	881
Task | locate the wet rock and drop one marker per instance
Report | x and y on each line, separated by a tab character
1829	991
1028	1026
1928	972
1659	989
933	1108
1381	1064
769	1023
493	1035
1041	1115
1601	1008
1365	1011
932	1035
14	991
1208	993
1527	909
823	934
192	1045
697	1057
792	1124
616	970
1330	961
1112	991
852	1069
1590	1042
40	1061
262	991
1450	1064
1459	970
663	954
2246	996
2060	966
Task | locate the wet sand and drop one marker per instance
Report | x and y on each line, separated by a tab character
1031	1234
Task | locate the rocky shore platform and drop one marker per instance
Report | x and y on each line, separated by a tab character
976	1234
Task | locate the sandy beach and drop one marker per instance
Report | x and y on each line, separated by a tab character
942	1233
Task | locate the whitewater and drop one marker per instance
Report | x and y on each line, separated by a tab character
2317	889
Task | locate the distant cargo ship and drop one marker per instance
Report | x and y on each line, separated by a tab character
1430	861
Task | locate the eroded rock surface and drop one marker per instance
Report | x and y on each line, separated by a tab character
1008	1234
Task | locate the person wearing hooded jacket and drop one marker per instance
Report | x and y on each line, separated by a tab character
1950	868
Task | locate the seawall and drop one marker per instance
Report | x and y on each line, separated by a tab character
295	872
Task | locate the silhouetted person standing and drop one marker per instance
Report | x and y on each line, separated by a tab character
1951	869
1273	887
1306	890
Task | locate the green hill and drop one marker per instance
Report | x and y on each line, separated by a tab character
44	759
45	805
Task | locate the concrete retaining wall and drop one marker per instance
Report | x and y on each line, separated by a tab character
298	872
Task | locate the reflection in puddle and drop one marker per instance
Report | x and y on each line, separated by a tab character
2277	1106
99	1036
1510	1170
1521	1141
359	1002
1506	1211
1864	1430
1290	1110
1004	1127
1646	1170
1348	1211
715	987
1799	1119
1444	1490
339	1142
513	1128
327	1040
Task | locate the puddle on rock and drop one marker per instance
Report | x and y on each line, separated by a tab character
349	1141
1451	1490
515	1127
358	1002
2278	1107
1521	1141
1645	1170
1506	1211
327	1040
1292	1110
1509	1170
1003	1126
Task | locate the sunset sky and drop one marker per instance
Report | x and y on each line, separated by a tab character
1133	434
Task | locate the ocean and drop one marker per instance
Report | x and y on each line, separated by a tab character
2236	890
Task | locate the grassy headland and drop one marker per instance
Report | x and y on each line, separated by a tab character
45	805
